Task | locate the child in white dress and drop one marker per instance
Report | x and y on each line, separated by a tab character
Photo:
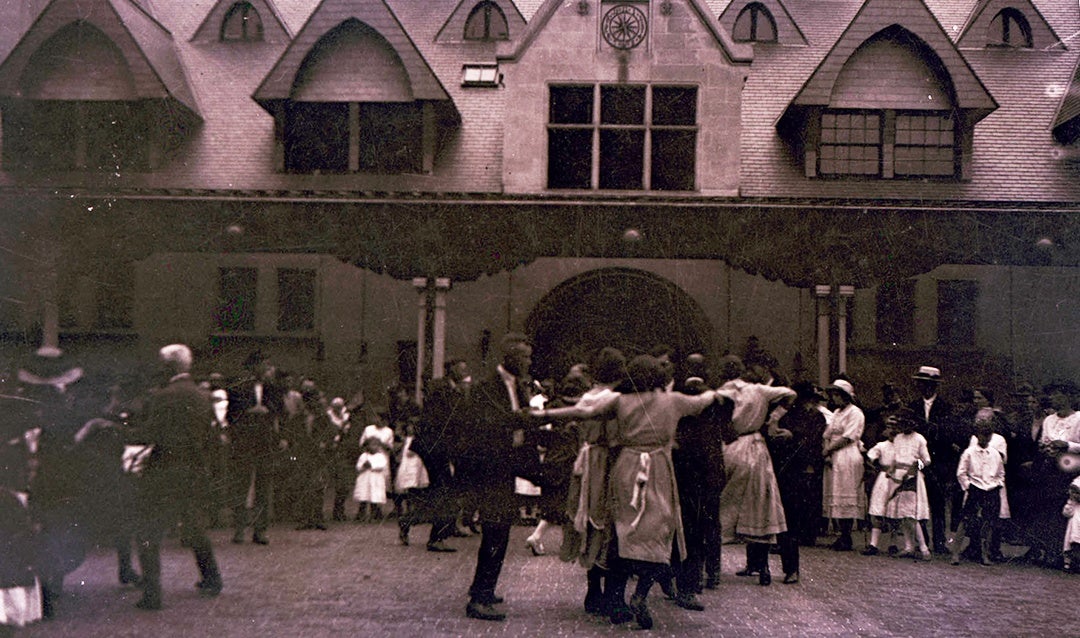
372	468
908	502
20	593
883	457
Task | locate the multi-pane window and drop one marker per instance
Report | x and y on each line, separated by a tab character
957	302
236	299
1009	28
486	22
754	24
102	136
296	299
622	137
850	144
242	23
887	144
925	145
340	137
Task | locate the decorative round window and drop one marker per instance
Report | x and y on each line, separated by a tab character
624	26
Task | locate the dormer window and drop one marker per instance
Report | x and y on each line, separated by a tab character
242	24
486	22
1009	28
754	24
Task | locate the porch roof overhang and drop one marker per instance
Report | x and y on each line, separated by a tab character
802	242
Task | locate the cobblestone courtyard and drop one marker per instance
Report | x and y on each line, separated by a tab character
358	580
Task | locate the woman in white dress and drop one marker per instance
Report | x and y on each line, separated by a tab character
843	495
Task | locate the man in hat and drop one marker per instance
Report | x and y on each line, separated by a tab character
174	481
934	420
493	443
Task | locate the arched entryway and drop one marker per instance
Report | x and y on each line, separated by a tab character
630	309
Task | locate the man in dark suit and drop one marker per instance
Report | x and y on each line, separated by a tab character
436	439
934	421
256	404
493	444
174	481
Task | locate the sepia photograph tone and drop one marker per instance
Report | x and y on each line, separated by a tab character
539	317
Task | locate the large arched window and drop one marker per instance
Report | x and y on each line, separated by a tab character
754	24
242	24
486	22
1009	28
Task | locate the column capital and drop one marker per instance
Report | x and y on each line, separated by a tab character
420	283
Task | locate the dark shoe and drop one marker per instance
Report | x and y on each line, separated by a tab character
746	571
535	546
641	612
870	551
842	545
764	578
208	589
238	538
129	577
305	526
259	539
712	582
439	546
893	550
148	604
403	536
907	555
791	579
320	526
620	614
481	611
689	601
594	603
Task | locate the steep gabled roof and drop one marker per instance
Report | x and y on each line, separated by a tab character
274	27
975	32
278	83
734	51
454	28
147	47
787	32
877	15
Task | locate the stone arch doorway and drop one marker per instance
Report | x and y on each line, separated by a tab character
630	309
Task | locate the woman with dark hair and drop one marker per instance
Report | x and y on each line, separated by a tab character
644	499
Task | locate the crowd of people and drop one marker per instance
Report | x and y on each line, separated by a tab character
649	465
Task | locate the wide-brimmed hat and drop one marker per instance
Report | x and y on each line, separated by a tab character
927	373
842	385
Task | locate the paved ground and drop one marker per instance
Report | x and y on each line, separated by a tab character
357	580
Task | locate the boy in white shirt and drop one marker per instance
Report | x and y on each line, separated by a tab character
981	474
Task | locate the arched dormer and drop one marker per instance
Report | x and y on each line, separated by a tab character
899	104
486	22
357	104
242	23
754	24
1009	28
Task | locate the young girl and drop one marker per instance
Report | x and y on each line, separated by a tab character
373	467
883	457
1072	530
20	595
907	501
411	475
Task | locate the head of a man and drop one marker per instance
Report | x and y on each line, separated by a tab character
175	358
517	354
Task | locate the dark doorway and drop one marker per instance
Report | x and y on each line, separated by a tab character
629	309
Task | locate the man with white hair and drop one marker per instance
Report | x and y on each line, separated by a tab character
173	486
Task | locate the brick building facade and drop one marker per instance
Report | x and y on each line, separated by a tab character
860	185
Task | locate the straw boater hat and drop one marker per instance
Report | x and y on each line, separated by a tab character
843	385
927	373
